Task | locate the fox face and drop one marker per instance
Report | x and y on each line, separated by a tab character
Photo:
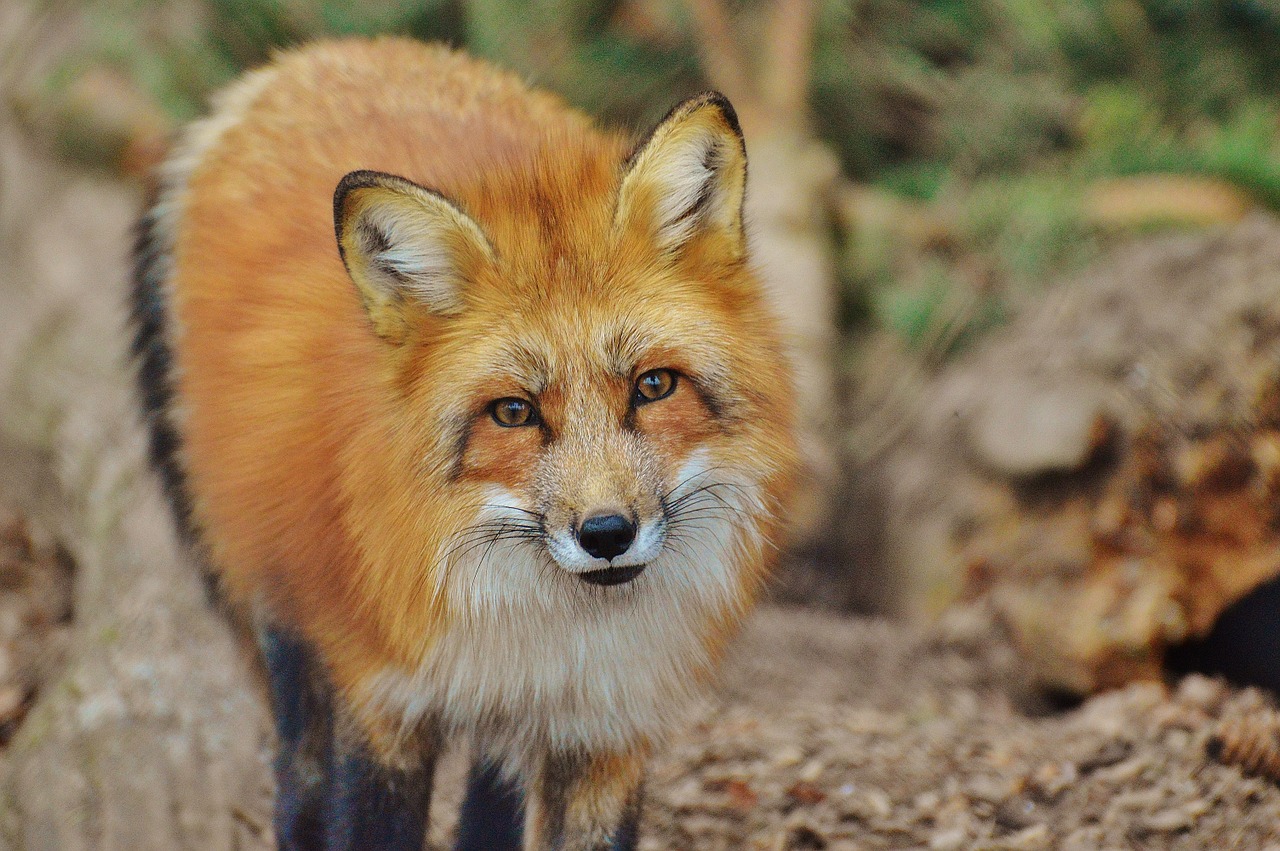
601	400
586	445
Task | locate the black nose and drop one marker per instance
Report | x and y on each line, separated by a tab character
606	535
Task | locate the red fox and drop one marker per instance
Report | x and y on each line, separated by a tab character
479	410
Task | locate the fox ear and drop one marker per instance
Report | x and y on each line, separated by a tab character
404	246
687	180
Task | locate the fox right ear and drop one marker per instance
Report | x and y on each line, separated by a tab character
686	181
404	246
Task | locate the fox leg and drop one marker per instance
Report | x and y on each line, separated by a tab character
372	806
304	733
492	817
586	803
330	794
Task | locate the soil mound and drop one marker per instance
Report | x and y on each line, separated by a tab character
1106	470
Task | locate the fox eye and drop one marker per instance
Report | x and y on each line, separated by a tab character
510	413
654	385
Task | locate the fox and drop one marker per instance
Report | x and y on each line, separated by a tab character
477	412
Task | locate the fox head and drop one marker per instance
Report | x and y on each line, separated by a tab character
583	374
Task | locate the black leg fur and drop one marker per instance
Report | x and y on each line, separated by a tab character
331	797
492	817
370	806
628	835
304	732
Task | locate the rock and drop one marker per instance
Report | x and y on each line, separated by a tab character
1167	821
1023	430
1100	476
949	840
1028	839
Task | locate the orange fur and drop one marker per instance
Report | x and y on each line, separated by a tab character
331	466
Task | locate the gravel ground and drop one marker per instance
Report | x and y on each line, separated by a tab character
849	734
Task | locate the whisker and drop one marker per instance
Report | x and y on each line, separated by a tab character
727	511
690	478
712	488
496	507
707	502
487	534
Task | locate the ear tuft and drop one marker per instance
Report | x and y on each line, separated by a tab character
688	179
404	246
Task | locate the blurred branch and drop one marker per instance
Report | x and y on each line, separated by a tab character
788	61
790	177
720	56
26	28
778	92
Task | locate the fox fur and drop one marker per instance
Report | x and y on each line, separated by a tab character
366	247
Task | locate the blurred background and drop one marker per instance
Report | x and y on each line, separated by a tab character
1026	250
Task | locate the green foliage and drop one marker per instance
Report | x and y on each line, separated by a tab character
1030	225
1125	134
930	318
998	115
579	49
178	52
993	116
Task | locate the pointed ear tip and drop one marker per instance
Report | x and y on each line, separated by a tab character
721	104
350	182
358	179
365	178
361	180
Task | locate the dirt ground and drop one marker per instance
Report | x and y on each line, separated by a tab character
855	733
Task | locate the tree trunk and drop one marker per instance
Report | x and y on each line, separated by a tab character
789	195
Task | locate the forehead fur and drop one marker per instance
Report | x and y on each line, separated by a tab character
612	323
549	209
586	349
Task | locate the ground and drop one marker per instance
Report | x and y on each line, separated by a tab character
857	733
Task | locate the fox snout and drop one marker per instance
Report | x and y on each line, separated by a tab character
607	546
602	508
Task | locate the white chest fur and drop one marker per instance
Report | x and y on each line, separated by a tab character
536	659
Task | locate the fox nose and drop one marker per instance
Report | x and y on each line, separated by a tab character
606	536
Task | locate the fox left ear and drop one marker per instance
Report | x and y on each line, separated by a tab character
405	248
688	179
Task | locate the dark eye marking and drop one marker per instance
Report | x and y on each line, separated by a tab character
513	413
654	385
